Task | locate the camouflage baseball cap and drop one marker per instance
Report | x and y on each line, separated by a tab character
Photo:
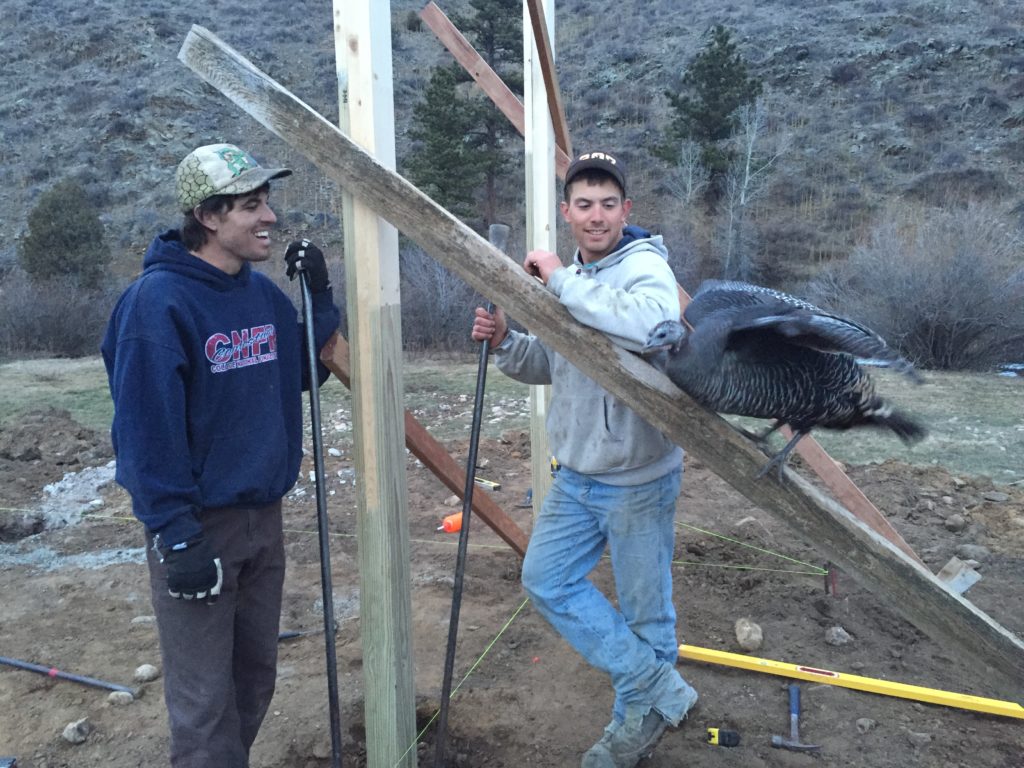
220	169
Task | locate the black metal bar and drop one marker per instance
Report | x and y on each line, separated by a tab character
322	522
498	236
54	672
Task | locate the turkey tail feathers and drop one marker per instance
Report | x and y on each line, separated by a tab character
905	428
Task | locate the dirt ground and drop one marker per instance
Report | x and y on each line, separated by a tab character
76	597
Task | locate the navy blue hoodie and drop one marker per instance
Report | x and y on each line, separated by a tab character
206	371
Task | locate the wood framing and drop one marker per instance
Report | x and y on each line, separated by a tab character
506	101
363	47
993	656
808	448
546	59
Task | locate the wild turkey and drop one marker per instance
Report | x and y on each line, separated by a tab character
758	352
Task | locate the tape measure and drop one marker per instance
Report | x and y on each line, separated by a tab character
722	738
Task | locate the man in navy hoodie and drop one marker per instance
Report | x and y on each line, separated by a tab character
205	361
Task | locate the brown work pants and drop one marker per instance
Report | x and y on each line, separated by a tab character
220	659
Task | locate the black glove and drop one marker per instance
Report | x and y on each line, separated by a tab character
193	572
303	256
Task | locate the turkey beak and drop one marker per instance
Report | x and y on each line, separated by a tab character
649	349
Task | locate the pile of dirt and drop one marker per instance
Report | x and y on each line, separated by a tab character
38	450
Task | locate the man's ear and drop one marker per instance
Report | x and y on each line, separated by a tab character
627	206
209	219
564	207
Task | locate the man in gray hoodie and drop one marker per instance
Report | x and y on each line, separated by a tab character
618	476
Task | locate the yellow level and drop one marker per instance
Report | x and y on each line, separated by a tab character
870	684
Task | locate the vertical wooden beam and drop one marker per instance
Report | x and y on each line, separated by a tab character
541	204
363	36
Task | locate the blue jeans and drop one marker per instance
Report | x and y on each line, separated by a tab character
636	643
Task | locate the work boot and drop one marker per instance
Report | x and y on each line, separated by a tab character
635	738
598	755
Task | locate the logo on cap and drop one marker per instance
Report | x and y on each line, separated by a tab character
219	169
597	161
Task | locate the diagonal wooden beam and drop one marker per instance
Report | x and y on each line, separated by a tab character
993	655
485	77
810	450
546	55
335	355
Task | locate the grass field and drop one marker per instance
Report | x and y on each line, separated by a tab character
976	421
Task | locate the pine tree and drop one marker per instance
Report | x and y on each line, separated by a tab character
461	149
718	84
65	237
496	31
445	163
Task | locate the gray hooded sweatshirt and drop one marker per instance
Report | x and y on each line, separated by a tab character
624	295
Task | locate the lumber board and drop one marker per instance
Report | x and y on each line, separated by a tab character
993	654
541	154
335	355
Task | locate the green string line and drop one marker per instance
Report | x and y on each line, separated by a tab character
818	570
469	672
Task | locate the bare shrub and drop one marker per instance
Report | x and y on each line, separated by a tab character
437	306
844	72
942	285
56	317
941	187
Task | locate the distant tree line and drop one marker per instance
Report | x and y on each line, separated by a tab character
944	285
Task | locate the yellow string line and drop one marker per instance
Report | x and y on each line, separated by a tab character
469	672
818	570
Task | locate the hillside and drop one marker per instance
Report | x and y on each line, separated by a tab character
879	100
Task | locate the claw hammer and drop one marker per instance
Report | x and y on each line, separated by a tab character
793	742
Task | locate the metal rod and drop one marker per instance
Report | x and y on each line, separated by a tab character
54	672
498	236
322	523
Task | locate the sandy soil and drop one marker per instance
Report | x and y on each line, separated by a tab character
531	700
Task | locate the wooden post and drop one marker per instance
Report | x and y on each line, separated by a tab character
990	654
541	204
363	37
